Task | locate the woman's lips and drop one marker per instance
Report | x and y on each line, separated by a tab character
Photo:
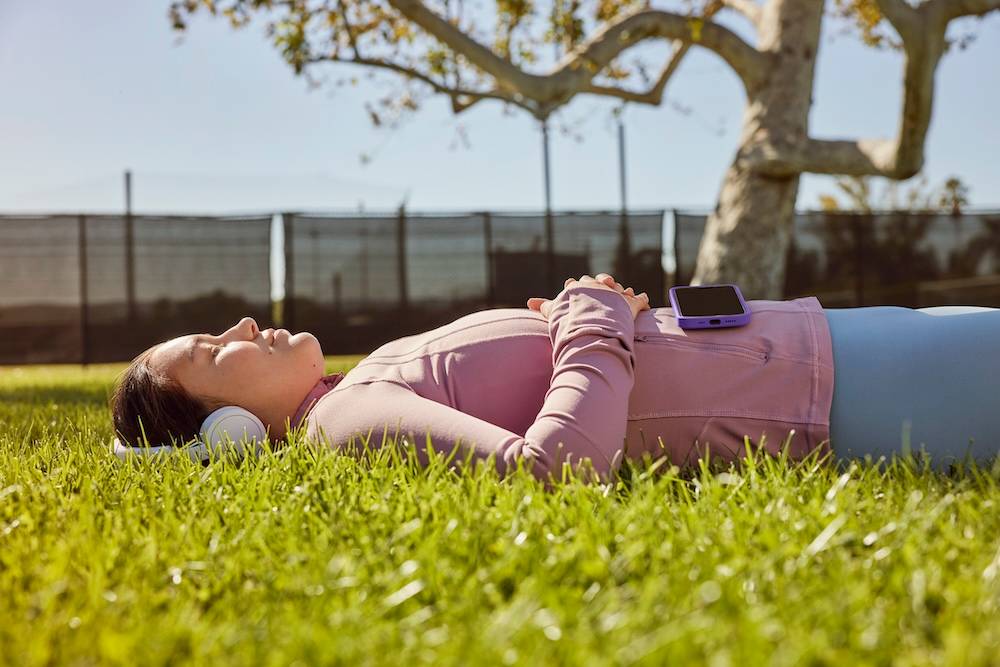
272	337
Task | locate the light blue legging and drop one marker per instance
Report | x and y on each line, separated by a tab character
927	379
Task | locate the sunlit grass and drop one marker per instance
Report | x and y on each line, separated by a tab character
308	556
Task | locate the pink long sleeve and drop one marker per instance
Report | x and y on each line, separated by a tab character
584	412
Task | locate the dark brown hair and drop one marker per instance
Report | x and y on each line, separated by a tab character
146	401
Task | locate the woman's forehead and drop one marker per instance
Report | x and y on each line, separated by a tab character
168	354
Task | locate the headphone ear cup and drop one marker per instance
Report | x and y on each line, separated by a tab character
197	452
225	430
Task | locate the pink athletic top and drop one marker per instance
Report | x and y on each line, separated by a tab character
589	382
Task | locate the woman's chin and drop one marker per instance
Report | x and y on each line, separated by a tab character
306	339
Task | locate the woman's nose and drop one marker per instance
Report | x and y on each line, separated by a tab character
245	328
251	324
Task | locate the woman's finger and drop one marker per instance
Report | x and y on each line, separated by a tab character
611	282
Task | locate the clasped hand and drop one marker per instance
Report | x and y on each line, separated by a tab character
636	302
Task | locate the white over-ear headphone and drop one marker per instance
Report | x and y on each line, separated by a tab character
222	431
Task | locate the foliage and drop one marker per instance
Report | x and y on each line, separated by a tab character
372	34
874	29
375	35
859	195
305	556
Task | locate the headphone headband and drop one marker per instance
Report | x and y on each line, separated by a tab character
223	430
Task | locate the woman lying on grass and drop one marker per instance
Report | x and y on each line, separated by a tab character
596	374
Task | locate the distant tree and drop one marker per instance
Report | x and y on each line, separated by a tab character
954	196
980	255
860	196
885	233
441	48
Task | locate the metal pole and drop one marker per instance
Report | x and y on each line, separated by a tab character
490	277
84	320
336	295
364	267
859	284
288	307
626	250
314	235
401	257
129	251
677	249
550	267
621	163
549	244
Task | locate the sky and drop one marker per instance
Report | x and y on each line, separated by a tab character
216	122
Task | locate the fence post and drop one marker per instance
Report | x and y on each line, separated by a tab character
626	252
677	248
84	321
288	307
550	270
663	272
364	266
404	301
336	295
623	252
490	272
129	251
550	260
859	271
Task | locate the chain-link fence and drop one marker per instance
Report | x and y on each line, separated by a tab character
91	288
887	258
357	282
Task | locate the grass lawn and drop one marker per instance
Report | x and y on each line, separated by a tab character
308	557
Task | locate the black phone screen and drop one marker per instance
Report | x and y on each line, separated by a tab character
711	300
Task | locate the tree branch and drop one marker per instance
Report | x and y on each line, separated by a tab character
922	29
575	72
748	8
953	9
654	95
903	17
455	94
351	37
508	75
591	56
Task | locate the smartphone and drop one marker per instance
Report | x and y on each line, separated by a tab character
709	306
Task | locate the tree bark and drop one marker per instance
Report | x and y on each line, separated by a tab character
746	237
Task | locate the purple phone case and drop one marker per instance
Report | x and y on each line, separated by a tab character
709	321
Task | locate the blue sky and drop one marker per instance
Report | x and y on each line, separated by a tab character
218	124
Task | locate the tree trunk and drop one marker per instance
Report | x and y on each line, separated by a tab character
747	235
